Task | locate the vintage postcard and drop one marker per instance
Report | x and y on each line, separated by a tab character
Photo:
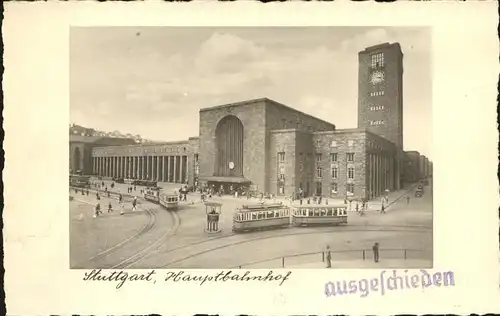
311	162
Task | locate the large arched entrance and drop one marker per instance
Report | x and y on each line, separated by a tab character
229	147
77	156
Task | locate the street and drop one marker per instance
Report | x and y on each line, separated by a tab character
153	237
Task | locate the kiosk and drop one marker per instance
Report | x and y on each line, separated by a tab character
213	211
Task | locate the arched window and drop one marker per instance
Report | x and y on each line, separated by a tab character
229	147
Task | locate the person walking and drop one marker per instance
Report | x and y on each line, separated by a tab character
134	203
382	210
328	257
357	207
375	252
110	207
121	208
97	210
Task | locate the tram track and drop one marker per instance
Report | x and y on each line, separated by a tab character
137	257
232	234
146	228
389	228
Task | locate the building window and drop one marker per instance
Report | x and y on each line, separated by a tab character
319	172
318	143
334	188
350	188
282	174
334	171
377	60
301	162
350	173
318	188
376	122
350	157
281	157
281	188
350	143
377	93
333	143
377	108
334	157
319	157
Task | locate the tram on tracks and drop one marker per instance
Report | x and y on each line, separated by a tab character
169	201
309	215
261	216
79	181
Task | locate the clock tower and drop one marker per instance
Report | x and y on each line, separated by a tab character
380	91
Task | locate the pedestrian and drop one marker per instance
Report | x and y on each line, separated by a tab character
382	210
121	208
97	210
357	207
407	200
328	257
134	203
375	252
110	207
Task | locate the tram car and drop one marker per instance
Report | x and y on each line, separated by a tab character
170	201
152	195
319	215
79	181
261	216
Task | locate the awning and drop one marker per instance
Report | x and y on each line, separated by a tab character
238	180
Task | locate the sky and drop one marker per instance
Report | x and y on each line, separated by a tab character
152	81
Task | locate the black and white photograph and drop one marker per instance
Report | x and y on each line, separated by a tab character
250	148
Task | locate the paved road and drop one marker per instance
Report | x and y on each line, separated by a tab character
188	246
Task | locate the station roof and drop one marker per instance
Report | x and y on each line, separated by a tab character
237	180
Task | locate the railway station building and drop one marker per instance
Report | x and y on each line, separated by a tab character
272	148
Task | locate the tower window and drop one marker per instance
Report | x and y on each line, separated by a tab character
377	108
281	157
377	60
377	93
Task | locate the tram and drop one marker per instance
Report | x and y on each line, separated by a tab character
319	215
79	181
170	201
152	195
261	216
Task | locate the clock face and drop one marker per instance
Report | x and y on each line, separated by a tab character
231	165
377	77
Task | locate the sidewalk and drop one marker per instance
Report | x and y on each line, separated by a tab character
366	264
393	196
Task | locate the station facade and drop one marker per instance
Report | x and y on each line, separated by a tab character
272	148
